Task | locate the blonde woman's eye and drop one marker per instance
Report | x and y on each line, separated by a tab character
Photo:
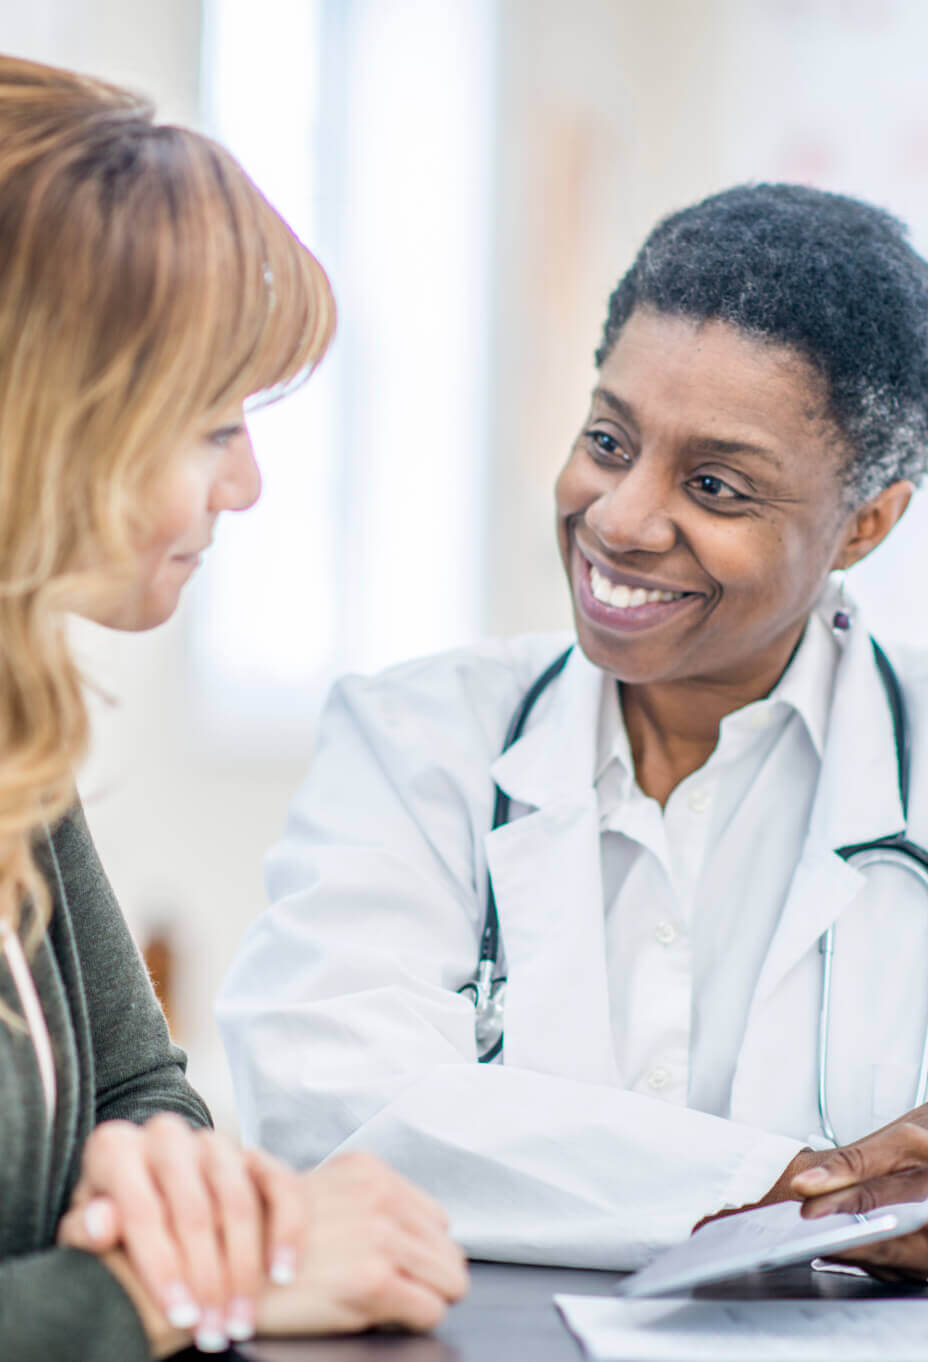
224	435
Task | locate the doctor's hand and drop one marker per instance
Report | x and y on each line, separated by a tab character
882	1169
375	1252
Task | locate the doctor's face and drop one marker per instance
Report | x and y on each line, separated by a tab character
701	507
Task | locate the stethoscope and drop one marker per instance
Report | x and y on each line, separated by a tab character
487	990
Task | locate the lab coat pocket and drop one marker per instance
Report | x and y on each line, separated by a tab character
894	1087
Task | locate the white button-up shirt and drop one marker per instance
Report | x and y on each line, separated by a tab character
684	943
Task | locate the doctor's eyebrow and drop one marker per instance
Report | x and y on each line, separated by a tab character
708	444
705	444
610	400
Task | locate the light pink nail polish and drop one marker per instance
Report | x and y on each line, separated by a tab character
210	1336
98	1219
283	1266
180	1307
240	1320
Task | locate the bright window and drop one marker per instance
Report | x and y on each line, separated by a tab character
367	122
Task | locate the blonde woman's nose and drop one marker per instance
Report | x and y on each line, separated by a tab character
238	480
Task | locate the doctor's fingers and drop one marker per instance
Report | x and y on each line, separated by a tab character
902	1147
870	1195
902	1259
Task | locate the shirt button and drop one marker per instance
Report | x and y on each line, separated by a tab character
665	933
658	1078
699	801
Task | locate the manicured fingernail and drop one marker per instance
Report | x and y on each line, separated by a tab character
180	1307
210	1336
283	1267
240	1320
98	1219
812	1177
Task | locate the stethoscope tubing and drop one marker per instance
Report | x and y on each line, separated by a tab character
895	849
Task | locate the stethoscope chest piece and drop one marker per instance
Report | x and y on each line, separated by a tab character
488	996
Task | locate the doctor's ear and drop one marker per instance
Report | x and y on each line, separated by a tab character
869	525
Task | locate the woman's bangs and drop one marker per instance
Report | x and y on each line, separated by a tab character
271	311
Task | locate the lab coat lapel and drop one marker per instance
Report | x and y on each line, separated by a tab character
545	867
857	801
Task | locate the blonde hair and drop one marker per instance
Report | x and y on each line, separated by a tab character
144	282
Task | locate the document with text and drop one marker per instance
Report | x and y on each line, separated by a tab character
614	1329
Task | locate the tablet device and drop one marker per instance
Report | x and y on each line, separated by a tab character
773	1236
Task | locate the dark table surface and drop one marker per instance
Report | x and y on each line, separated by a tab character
509	1316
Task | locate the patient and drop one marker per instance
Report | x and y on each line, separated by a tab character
146	290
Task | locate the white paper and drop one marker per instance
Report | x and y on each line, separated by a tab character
613	1329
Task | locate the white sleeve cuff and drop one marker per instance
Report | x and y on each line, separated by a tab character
759	1169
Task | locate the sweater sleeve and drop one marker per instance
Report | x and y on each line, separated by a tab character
67	1305
138	1071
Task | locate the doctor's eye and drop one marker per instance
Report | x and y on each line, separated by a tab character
715	489
603	446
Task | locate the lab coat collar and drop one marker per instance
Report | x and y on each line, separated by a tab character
556	755
857	800
545	869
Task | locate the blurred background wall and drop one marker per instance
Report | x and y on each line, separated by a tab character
475	174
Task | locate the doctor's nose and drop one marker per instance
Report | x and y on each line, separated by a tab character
633	514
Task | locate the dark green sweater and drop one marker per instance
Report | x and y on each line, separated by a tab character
113	1059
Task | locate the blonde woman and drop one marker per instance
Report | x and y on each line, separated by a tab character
146	290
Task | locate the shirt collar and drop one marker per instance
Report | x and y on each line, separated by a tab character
806	687
808	683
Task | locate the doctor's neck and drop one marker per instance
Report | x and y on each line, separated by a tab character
673	725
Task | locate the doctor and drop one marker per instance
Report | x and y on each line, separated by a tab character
678	795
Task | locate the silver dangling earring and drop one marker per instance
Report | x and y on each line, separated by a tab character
842	616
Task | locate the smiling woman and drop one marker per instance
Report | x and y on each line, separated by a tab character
677	785
711	470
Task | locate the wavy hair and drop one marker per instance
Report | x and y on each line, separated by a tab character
144	282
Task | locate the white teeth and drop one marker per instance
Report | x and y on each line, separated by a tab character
625	597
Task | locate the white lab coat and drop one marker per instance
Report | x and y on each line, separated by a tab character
344	1028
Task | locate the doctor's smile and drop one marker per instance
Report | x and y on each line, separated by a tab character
621	601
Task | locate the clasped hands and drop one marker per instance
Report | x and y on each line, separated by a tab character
882	1169
214	1242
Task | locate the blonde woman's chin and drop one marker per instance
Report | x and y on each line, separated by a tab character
145	604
